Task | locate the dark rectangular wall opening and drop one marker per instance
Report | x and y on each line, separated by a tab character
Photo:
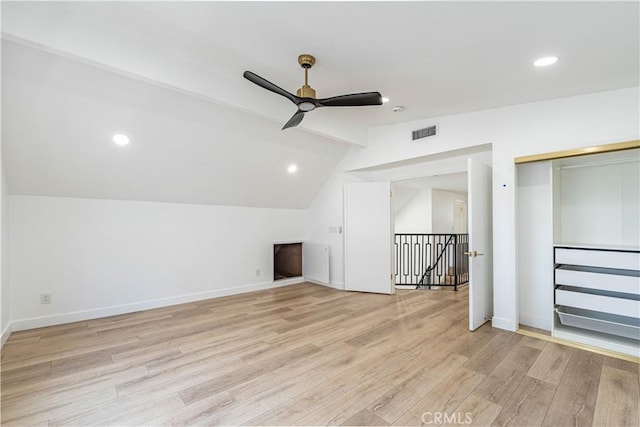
287	260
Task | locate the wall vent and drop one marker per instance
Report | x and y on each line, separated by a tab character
424	133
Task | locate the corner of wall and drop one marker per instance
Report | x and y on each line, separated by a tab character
6	333
5	322
504	323
336	285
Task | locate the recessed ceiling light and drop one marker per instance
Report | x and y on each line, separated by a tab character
292	168
385	100
120	139
547	60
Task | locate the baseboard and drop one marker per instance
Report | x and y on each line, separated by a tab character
315	282
336	285
502	323
535	322
77	316
289	281
6	333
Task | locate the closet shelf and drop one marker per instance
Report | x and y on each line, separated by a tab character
624	281
612	324
597	297
593	257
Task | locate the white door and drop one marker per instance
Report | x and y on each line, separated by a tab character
368	237
480	244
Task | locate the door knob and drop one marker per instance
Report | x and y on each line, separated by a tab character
473	254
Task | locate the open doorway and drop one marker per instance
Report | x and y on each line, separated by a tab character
370	223
430	239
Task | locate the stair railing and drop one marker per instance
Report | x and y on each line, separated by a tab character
427	260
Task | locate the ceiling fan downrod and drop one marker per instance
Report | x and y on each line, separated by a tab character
306	61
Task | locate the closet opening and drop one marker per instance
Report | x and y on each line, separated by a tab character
579	248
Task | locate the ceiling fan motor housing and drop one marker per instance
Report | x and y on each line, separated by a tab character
306	91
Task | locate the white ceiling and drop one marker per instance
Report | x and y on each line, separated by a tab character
171	74
456	182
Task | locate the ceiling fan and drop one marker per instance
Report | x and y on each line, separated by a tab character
306	99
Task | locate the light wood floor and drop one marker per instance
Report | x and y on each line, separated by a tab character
308	355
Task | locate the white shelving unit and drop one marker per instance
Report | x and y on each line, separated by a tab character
597	297
579	249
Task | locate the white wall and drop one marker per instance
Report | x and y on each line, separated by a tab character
415	217
324	215
401	196
5	301
519	130
103	257
535	245
428	211
443	210
5	327
599	204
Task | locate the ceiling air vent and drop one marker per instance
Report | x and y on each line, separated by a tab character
424	133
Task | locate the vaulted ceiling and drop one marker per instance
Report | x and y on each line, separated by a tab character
169	74
59	117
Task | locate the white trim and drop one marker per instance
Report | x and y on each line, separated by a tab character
536	322
289	281
598	341
318	282
335	285
504	323
76	316
6	333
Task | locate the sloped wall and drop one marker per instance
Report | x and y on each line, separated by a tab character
443	203
416	215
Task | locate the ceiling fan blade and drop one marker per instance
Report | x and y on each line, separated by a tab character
352	100
294	120
254	78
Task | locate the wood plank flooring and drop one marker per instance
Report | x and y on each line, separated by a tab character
308	355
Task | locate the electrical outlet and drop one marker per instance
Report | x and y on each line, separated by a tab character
45	298
257	271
